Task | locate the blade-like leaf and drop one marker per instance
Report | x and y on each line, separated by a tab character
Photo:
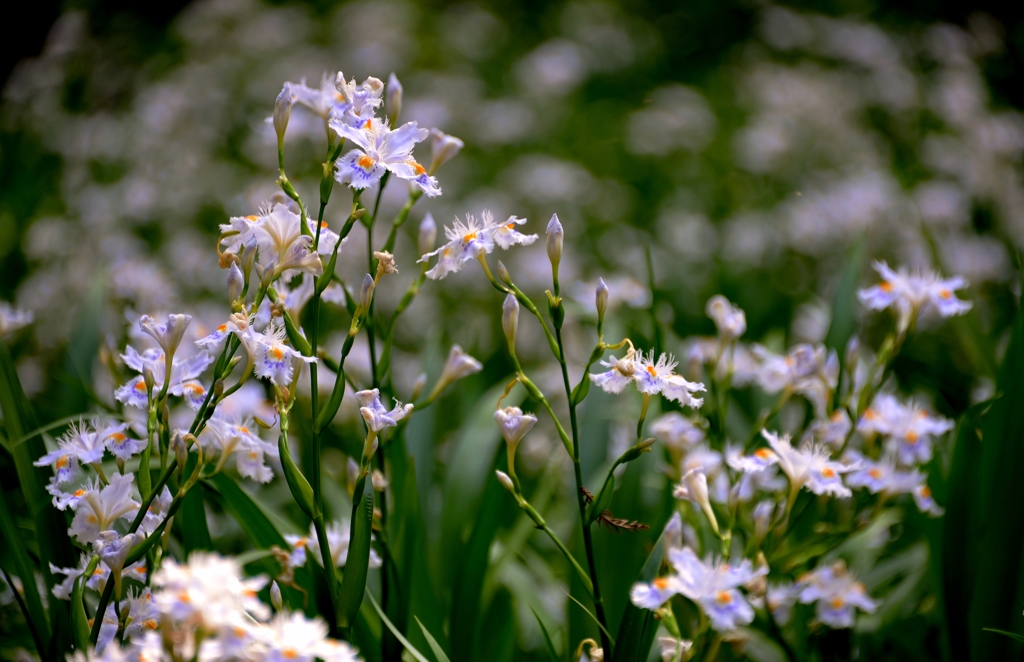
638	626
548	644
254	522
353	585
398	635
49	522
195	533
35	616
1011	635
434	646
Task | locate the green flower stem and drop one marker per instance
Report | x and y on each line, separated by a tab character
537	395
588	542
400	219
542	525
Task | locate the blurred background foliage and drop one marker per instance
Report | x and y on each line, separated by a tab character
758	150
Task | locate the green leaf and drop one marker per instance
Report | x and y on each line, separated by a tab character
195	533
638	626
844	307
1011	635
434	646
998	550
548	644
79	619
353	585
254	522
31	603
49	522
592	617
398	635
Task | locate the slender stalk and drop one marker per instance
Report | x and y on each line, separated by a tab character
588	541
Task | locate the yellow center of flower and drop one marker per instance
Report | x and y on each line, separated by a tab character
911	437
79	493
239	632
252	218
723	597
926	492
466	238
290	653
62	461
365	162
885	286
420	170
870	415
277	353
222	328
763	453
827	472
368	124
875	473
117	438
661	583
510	226
243	429
149	624
652	371
945	294
140	385
837	602
184	597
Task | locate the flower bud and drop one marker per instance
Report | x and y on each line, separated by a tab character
443	148
352	470
505	481
179	449
393	99
366	293
275	596
378	480
282	111
694	488
554	243
763	518
510	321
503	273
852	354
601	299
458	365
418	386
236	281
729	319
427	236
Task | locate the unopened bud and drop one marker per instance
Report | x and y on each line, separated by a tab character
218	387
510	321
418	386
505	481
282	111
443	148
352	470
601	298
378	480
179	449
236	281
165	414
555	238
247	256
147	376
393	99
275	596
503	273
852	354
366	293
427	235
326	182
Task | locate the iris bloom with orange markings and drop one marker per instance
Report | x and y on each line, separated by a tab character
382	149
467	240
809	466
836	594
908	428
913	293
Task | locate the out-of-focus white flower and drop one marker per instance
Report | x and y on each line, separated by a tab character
832	431
426	235
141	612
912	293
113	549
182	379
382	149
712	586
468	240
908	427
12	319
376	416
97	510
337	539
809	466
811	371
923	498
837	595
293	637
672	648
677	432
209	591
780	599
730	321
62	590
238	437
